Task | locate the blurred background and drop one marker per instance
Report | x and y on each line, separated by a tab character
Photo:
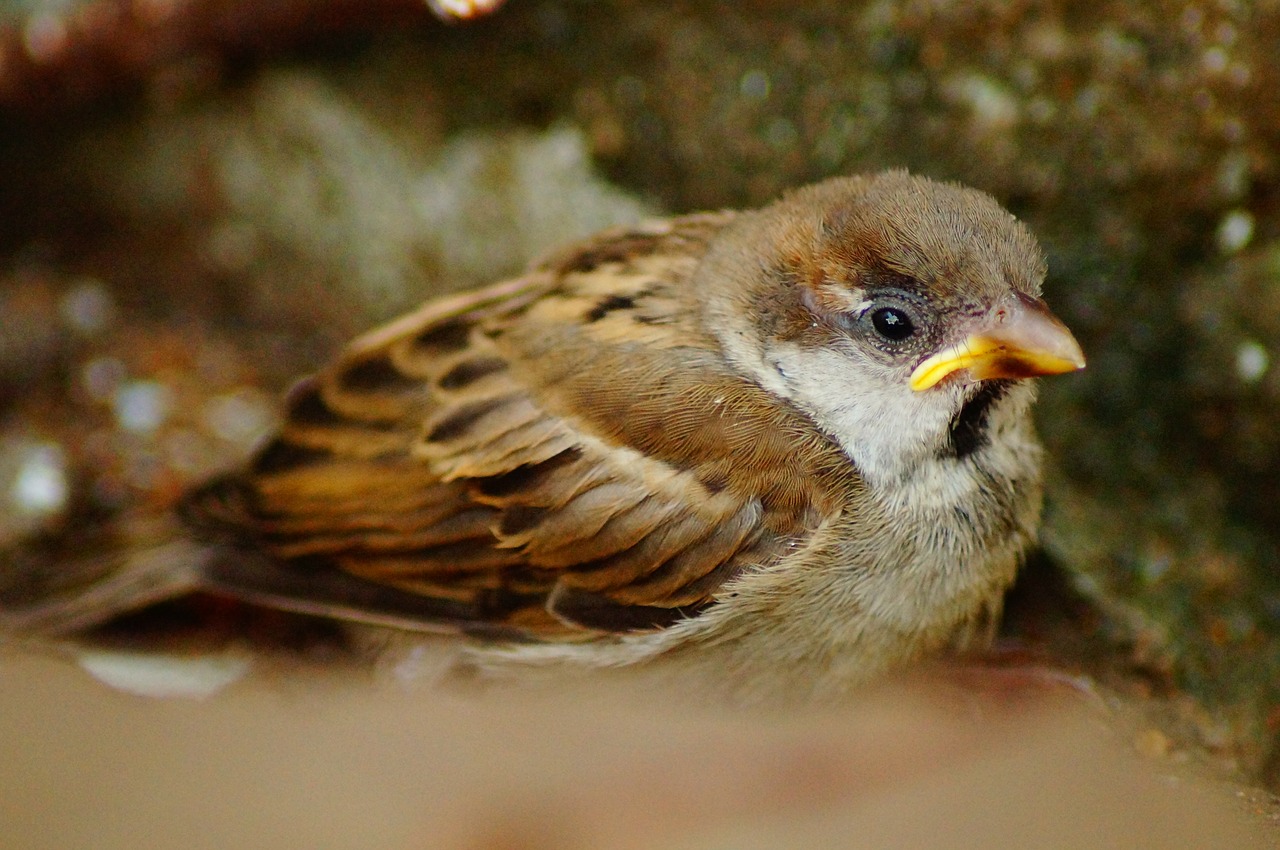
201	199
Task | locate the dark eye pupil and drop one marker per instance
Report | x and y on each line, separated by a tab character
892	324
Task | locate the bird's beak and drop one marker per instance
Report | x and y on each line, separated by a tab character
1018	339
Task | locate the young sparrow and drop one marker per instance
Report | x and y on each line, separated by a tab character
792	446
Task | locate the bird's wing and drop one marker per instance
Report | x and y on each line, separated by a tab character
560	455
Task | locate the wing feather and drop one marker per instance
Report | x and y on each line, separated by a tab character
562	454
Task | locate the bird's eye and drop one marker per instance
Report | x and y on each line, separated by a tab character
892	323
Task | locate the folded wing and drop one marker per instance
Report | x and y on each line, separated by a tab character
557	456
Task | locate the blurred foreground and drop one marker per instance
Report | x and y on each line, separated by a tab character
337	760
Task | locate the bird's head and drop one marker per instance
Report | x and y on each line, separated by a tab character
901	313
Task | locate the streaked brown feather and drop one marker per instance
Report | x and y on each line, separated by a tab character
564	453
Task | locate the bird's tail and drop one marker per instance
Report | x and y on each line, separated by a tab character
50	591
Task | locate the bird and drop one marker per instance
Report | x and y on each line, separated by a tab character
789	448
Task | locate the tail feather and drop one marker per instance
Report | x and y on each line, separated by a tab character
65	587
53	596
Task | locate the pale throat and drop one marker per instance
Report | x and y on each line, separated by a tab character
891	432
